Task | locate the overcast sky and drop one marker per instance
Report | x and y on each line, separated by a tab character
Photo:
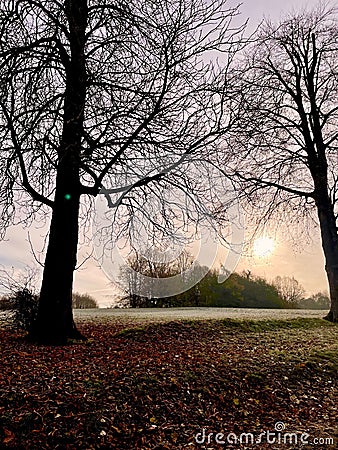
303	261
256	10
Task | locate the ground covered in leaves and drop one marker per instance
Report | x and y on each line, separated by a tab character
157	386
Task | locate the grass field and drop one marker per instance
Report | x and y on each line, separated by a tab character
168	314
143	383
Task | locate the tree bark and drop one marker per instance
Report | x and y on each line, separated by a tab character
329	237
54	324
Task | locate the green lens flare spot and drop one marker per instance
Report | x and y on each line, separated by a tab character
68	196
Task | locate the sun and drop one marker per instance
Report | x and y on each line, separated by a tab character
263	246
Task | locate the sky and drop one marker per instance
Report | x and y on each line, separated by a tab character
256	10
304	260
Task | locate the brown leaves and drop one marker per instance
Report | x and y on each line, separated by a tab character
160	385
9	437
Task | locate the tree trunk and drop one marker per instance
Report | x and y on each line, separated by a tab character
54	324
329	236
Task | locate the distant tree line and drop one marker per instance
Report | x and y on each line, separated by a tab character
80	301
83	301
242	290
238	291
320	300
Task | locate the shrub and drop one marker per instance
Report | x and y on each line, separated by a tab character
6	303
21	300
25	305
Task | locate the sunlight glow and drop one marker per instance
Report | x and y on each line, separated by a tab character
263	246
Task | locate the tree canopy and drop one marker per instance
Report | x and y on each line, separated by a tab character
282	153
122	97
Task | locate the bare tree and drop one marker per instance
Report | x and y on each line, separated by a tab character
83	301
98	94
131	280
283	157
290	290
179	270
